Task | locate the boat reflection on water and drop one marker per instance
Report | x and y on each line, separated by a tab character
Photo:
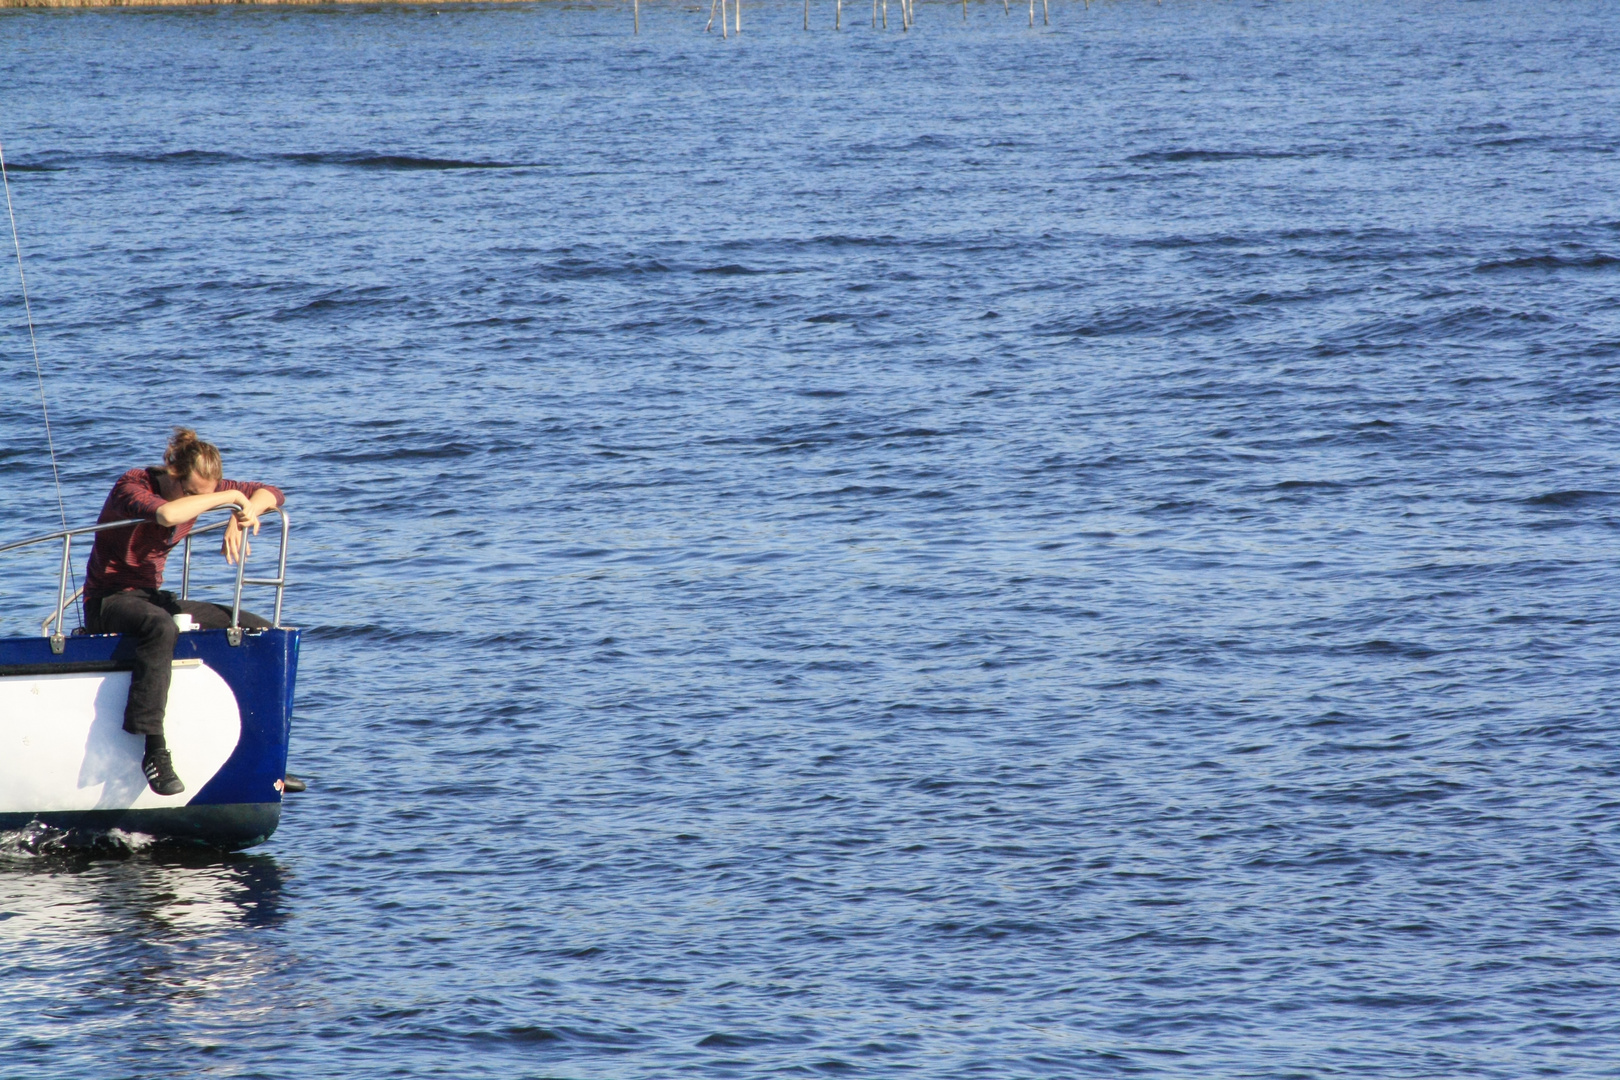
114	929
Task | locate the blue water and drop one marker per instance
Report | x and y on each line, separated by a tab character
1084	551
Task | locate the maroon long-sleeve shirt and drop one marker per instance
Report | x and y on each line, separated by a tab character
133	558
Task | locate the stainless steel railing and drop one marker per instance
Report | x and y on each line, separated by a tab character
234	633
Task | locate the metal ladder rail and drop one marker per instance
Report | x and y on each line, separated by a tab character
279	581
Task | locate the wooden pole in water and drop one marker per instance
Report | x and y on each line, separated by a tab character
736	14
637	5
874	14
964	10
1031	11
1005	10
885	14
838	16
807	14
712	5
1046	14
723	17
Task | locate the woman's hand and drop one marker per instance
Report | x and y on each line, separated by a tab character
243	516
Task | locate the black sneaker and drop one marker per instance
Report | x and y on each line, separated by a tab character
159	772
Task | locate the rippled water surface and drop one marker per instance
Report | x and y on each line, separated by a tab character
986	551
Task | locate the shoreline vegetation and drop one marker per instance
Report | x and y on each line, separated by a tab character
7	4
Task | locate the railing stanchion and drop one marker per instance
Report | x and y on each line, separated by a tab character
234	634
185	571
58	639
281	569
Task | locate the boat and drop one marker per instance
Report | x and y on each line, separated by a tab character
66	762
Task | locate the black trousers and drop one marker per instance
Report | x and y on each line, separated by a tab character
147	615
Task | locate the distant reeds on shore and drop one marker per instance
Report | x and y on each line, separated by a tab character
212	3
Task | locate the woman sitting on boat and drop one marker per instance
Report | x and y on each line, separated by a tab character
121	594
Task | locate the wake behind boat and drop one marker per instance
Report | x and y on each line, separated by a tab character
66	762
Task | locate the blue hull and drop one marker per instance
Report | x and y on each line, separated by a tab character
239	805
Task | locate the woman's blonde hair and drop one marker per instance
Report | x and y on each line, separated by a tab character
189	455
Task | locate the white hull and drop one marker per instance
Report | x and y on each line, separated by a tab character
63	747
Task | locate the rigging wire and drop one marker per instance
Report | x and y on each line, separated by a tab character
33	344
